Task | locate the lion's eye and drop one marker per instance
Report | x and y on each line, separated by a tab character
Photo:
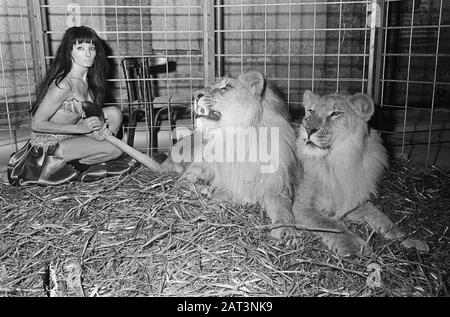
309	111
227	86
336	114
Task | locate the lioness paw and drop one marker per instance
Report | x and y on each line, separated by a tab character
282	223
281	233
419	245
348	245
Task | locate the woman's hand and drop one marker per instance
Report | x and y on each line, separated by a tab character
100	134
90	124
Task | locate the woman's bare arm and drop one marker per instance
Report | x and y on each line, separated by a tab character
48	107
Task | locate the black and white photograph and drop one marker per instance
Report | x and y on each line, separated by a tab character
241	151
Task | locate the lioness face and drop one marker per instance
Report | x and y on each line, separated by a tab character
331	120
228	103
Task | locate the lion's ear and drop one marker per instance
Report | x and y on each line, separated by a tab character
363	105
254	80
309	98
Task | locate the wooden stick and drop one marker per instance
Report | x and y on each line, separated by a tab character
91	109
140	157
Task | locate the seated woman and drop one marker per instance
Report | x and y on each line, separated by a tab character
65	145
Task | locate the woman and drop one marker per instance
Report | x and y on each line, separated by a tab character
62	137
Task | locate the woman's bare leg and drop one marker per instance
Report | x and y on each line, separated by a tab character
88	150
113	116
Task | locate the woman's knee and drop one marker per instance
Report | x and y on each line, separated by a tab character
113	115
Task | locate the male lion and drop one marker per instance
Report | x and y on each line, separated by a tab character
238	120
342	161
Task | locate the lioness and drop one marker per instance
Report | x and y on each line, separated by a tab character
238	121
342	161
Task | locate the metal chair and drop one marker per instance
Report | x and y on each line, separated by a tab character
138	92
143	103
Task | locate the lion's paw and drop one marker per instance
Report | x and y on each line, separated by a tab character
347	245
282	229
204	190
210	194
281	233
191	174
218	196
419	245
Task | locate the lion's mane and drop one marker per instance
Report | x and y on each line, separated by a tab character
243	103
353	163
243	181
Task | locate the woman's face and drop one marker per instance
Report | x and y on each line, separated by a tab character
83	54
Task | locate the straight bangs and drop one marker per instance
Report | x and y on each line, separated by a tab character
84	35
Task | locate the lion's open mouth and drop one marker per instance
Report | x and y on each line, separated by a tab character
211	115
203	109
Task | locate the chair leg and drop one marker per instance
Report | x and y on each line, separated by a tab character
157	124
154	129
132	127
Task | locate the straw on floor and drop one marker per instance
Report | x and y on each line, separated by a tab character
143	235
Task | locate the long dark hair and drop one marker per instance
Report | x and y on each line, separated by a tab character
62	64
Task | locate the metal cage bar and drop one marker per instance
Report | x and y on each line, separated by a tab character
434	81
411	69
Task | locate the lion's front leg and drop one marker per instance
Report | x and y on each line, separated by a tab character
333	233
278	209
194	172
380	222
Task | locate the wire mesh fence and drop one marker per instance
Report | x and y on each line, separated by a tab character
414	86
397	51
17	77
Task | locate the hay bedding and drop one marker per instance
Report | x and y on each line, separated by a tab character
142	235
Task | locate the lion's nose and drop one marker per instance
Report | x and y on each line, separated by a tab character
311	131
198	95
